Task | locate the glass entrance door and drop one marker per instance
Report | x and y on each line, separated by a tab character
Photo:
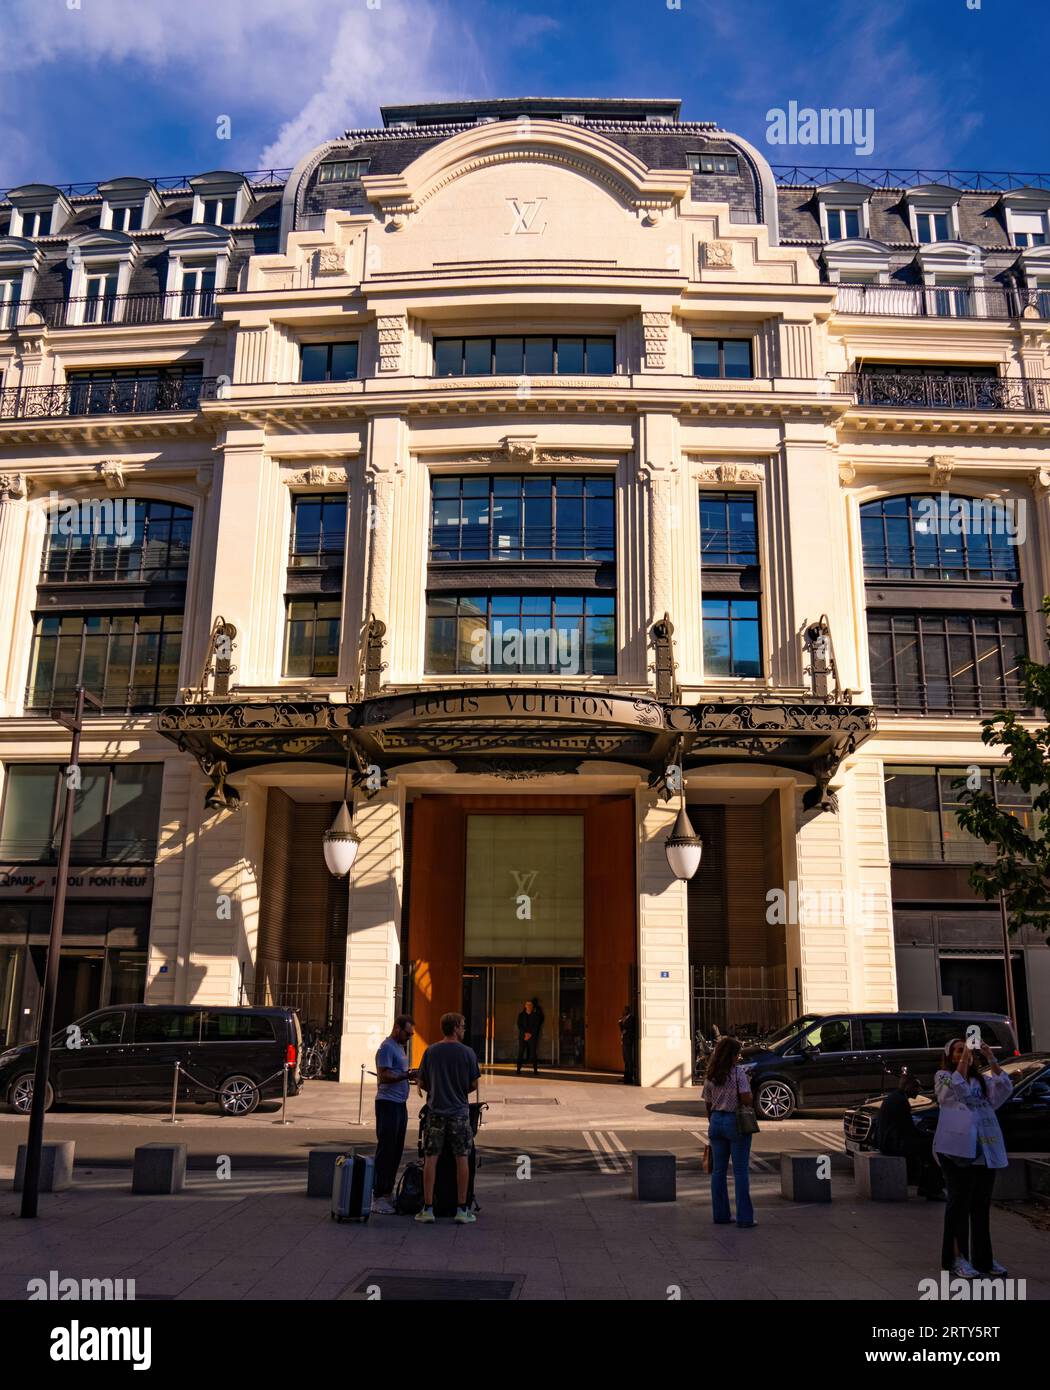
493	996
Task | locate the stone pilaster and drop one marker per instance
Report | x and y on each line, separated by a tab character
664	1028
14	517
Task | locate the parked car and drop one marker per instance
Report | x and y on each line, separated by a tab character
1025	1117
231	1055
840	1059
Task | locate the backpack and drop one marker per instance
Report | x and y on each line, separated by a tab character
408	1198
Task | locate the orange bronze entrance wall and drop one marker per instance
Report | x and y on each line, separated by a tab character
436	909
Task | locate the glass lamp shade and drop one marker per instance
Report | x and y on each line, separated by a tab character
341	843
683	848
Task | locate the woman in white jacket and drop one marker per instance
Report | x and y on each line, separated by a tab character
969	1147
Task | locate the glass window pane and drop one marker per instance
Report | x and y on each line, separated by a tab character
344	361
314	357
737	353
478	356
510	359
448	357
539	356
29	808
570	355
705	357
601	356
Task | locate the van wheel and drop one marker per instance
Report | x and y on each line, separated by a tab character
20	1094
775	1100
238	1095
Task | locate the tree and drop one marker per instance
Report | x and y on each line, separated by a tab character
1021	871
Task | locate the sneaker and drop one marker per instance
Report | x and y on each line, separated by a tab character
426	1216
962	1268
383	1206
997	1268
463	1217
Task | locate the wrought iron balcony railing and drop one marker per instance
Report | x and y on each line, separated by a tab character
110	310
961	850
118	396
903	391
944	698
943	301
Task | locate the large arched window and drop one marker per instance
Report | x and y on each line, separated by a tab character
946	624
110	602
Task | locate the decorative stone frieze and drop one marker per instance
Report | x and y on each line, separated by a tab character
331	260
391	330
656	327
730	473
718	255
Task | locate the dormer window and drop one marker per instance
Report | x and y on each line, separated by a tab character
713	163
934	225
342	170
843	211
36	222
100	293
843	223
127	219
1028	228
219	211
10	298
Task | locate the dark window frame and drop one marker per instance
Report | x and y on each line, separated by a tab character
954	844
527	490
585	600
104	856
360	168
329	348
99	552
938	646
699	160
315	601
324	555
59	696
525	339
887	510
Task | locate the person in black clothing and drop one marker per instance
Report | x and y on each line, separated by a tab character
528	1036
628	1042
898	1136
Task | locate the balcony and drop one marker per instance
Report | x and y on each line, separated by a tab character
904	391
938	698
108	311
943	301
119	396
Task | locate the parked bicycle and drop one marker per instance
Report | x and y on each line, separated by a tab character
318	1055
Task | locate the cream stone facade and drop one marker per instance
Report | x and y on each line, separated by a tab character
524	226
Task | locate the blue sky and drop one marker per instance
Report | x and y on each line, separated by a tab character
92	89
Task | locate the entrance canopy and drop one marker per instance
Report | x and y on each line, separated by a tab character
516	732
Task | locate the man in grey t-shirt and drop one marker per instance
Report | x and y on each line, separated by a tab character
448	1073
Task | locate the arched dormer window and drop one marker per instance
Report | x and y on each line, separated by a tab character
945	604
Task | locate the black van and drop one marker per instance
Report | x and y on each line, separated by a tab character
230	1055
840	1059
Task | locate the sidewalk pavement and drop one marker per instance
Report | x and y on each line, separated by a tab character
552	1236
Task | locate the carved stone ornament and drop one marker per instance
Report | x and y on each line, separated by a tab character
847	473
655	329
112	474
942	466
391	330
730	473
13	487
718	255
1040	480
331	260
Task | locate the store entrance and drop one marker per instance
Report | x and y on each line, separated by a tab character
494	995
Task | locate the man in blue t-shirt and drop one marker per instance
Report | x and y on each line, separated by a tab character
395	1077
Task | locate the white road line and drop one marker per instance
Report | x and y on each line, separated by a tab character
762	1165
700	1134
828	1138
617	1141
616	1152
597	1145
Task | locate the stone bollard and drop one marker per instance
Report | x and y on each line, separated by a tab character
159	1168
653	1175
881	1177
56	1165
799	1177
320	1172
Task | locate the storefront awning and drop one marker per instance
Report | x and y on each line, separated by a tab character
516	732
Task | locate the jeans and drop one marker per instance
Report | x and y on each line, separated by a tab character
726	1142
967	1212
391	1128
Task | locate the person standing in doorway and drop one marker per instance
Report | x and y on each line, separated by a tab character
448	1073
394	1078
726	1089
528	1035
969	1147
628	1044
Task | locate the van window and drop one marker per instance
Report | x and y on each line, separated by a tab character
166	1026
833	1035
231	1027
104	1030
940	1031
892	1033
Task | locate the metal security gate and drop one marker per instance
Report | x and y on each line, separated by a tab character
745	1001
308	986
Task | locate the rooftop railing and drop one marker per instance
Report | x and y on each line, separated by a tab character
872	176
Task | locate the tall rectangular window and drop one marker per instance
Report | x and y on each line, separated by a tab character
129	661
311	645
843	223
100	294
921	807
934	226
116	813
730	580
313	599
484	517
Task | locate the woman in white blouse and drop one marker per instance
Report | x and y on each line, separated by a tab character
969	1147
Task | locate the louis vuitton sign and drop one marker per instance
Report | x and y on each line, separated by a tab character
573	706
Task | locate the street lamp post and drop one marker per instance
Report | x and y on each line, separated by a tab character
35	1138
1008	965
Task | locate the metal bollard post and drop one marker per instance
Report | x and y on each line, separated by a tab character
361	1097
171	1120
284	1120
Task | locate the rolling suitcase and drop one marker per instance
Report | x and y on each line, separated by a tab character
352	1188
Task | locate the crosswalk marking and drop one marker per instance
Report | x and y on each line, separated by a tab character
827	1137
609	1153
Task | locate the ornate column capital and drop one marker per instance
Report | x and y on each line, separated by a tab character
13	487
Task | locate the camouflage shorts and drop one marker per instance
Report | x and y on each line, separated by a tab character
456	1128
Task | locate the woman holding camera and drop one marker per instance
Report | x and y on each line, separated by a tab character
969	1147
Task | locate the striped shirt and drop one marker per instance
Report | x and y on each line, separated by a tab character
724	1097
